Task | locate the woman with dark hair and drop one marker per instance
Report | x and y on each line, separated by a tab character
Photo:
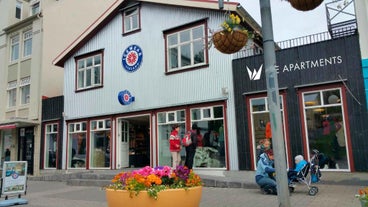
175	146
191	149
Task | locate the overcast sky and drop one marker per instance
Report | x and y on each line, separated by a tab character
289	23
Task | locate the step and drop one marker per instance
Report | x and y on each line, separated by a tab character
88	182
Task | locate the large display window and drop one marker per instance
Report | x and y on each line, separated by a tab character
100	143
260	118
211	149
165	122
325	127
77	148
51	135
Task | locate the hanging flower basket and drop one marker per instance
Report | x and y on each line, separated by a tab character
230	42
232	37
305	5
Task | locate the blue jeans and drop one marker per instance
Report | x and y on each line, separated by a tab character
266	181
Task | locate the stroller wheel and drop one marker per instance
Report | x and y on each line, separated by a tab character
313	191
315	188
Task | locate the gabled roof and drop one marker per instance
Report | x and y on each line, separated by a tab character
111	12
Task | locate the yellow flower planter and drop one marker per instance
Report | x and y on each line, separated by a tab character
167	198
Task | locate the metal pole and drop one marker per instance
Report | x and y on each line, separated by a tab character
274	104
221	4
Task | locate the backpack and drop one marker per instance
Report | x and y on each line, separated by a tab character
187	140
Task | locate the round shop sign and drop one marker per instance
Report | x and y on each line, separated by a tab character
132	58
125	98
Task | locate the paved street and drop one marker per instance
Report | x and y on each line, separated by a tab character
58	194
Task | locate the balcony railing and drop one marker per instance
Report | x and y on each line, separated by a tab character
296	42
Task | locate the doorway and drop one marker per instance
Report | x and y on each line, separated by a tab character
26	147
133	138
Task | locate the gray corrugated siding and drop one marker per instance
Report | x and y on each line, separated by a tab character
150	86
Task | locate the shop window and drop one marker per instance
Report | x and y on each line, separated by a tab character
100	143
165	122
131	19
50	155
77	139
260	116
186	47
324	118
89	71
210	152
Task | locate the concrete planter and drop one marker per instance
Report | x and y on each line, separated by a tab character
190	197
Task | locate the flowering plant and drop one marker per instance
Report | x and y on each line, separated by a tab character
154	180
232	23
363	194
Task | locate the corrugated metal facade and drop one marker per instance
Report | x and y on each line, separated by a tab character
348	72
152	88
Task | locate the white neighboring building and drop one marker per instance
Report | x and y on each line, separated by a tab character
32	33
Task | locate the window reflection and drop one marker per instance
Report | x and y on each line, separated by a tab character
326	128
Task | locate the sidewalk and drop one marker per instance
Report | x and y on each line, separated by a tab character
245	179
222	189
211	178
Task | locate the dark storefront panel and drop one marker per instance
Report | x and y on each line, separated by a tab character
326	63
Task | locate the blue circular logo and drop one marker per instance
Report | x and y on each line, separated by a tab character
125	98
132	58
15	175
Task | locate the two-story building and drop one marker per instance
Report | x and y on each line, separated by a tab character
138	70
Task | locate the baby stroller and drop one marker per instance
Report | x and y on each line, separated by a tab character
309	174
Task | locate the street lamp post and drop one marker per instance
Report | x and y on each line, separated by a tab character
274	104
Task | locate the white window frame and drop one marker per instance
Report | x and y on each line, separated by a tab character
12	94
50	130
131	18
267	111
25	86
27	43
87	68
175	45
15	46
76	128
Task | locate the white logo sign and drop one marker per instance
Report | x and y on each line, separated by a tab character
255	75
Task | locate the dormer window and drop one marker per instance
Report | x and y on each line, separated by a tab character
131	20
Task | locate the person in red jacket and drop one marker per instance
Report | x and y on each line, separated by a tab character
175	146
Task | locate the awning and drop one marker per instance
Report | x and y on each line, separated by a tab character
8	126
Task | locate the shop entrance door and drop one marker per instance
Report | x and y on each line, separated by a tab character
26	147
123	137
